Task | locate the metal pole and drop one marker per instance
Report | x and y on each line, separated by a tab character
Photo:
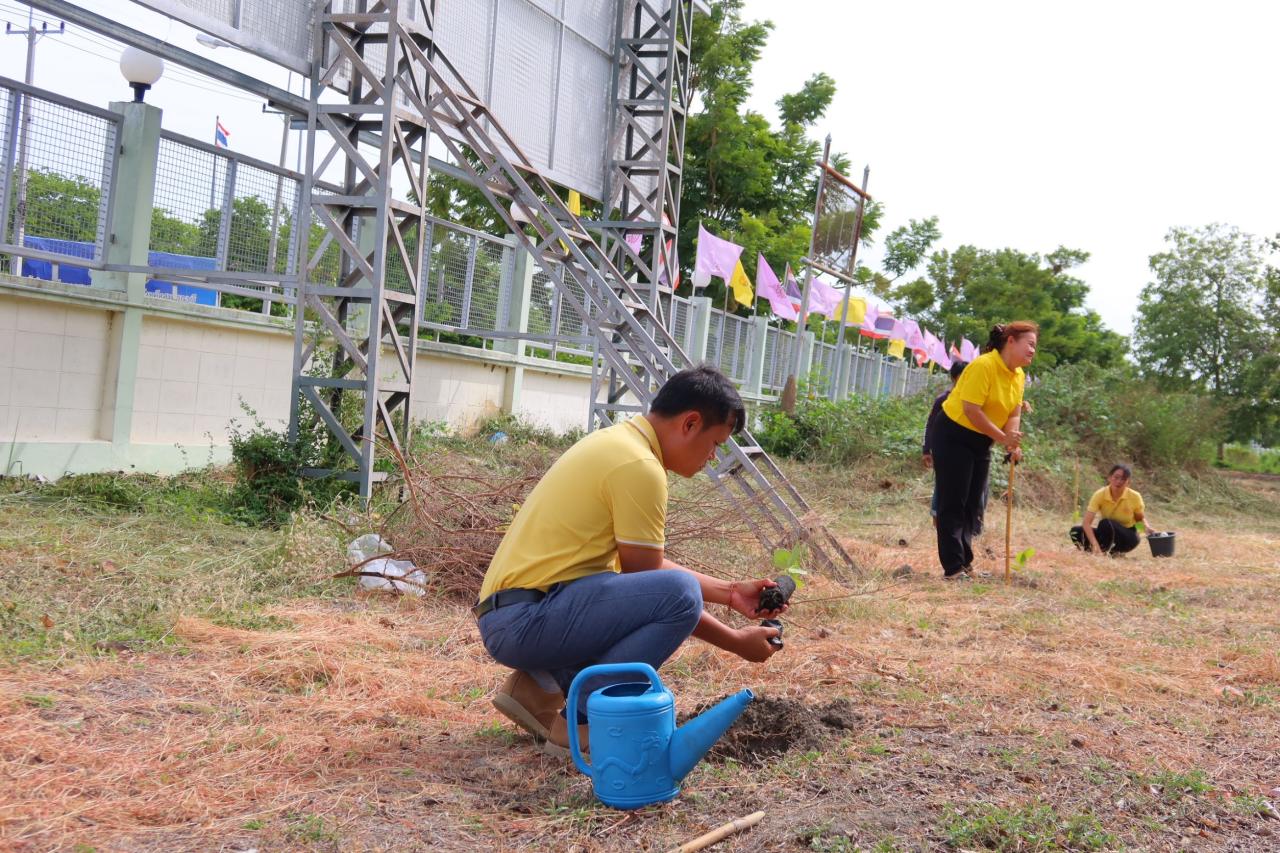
848	287
808	278
275	208
213	179
20	209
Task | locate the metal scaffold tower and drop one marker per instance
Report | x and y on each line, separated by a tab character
368	49
646	166
402	85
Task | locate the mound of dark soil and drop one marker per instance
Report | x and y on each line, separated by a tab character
771	727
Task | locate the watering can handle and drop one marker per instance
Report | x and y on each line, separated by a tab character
571	702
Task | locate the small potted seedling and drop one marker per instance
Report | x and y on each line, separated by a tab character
1023	558
791	563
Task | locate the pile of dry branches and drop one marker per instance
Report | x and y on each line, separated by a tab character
459	505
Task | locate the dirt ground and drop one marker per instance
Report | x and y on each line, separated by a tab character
1092	703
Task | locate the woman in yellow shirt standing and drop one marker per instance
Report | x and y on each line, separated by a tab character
985	408
1121	510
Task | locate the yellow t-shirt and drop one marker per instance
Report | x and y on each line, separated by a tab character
608	488
1122	511
987	382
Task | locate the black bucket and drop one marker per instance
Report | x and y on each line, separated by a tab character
1161	543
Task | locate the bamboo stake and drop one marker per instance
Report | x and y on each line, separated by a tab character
1008	522
1075	507
703	841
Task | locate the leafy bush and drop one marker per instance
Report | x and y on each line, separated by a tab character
269	485
521	431
1080	411
1108	414
1239	457
840	432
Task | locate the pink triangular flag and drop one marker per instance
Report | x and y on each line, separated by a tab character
767	286
715	256
823	298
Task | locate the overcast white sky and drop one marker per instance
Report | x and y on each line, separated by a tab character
1023	124
1096	125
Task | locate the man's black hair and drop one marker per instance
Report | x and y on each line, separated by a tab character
705	390
957	367
1120	466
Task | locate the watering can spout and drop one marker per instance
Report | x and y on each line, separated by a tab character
692	740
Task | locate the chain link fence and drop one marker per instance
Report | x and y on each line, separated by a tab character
225	215
223	232
680	315
466	286
57	159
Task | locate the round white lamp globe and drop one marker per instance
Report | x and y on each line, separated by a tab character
141	69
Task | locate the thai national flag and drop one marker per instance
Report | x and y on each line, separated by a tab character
220	134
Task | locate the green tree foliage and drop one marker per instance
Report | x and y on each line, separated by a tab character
906	247
1209	323
60	206
745	179
457	201
171	234
965	292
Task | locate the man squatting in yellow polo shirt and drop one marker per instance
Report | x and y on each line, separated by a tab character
580	577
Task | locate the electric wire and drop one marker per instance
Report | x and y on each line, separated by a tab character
172	70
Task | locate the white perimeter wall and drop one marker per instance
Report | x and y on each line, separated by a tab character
60	350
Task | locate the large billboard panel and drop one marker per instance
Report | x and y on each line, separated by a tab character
545	67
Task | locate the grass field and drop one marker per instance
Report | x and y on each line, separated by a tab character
170	681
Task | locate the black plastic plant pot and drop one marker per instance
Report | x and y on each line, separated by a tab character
1161	543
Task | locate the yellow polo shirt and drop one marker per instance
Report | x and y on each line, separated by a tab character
1123	511
608	488
987	382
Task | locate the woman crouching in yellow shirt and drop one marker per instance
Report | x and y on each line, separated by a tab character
984	408
1121	509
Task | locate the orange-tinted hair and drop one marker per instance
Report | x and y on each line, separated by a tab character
1002	333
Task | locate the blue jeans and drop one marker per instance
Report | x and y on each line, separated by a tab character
602	618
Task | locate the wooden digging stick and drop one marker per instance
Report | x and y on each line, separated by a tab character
715	835
1075	508
1008	522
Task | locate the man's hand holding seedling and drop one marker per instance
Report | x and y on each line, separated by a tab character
745	597
753	641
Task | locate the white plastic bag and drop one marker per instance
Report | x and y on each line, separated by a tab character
383	573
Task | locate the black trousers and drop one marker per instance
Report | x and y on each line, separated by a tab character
961	464
1113	538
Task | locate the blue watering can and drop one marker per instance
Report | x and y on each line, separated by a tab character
638	756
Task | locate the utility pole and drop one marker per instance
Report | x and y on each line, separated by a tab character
20	211
275	208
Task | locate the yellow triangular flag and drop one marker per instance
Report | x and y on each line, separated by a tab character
857	311
896	348
741	285
575	207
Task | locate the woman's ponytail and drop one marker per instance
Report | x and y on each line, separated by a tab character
996	339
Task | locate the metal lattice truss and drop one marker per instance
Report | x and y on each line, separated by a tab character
374	303
646	167
643	179
630	341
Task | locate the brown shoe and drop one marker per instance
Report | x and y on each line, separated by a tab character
527	705
557	743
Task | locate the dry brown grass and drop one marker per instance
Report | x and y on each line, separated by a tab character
364	723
